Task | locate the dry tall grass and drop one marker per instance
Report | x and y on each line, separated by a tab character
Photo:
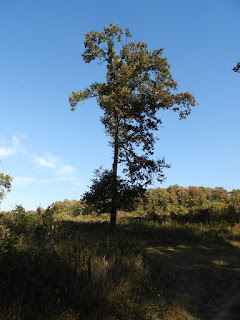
82	269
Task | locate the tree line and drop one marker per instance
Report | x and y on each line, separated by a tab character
174	202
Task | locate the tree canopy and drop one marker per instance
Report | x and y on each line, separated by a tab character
5	184
138	85
100	194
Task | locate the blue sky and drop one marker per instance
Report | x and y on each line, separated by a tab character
52	152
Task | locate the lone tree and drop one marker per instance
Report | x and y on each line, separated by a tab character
138	84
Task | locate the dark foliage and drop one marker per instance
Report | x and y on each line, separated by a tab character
99	197
237	68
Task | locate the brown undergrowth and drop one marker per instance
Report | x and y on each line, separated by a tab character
51	269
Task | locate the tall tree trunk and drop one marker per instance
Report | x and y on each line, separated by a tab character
114	179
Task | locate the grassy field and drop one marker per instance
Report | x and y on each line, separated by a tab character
80	268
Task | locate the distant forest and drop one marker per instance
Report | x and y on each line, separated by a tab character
190	204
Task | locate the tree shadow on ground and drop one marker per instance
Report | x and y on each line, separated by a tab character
195	269
204	279
203	276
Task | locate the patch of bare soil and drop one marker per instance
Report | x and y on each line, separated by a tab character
206	280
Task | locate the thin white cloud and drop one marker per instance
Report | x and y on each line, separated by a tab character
16	141
57	165
57	169
22	181
13	149
65	170
48	161
7	151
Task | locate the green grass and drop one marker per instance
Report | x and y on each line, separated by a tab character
82	269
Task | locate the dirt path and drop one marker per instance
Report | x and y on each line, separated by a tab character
206	280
